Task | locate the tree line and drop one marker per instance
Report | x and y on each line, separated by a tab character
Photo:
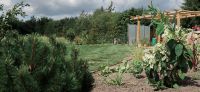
102	26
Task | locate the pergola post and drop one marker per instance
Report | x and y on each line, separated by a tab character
138	31
178	19
159	38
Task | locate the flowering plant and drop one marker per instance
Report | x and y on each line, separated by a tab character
166	63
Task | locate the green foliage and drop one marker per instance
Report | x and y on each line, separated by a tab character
70	34
124	19
117	80
114	75
106	71
38	63
166	64
137	68
10	16
103	26
193	5
124	68
198	48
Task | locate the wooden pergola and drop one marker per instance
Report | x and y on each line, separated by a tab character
180	14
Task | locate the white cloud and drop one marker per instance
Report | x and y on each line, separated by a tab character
29	10
6	2
60	8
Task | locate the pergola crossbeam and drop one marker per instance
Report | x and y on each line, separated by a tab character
178	14
182	13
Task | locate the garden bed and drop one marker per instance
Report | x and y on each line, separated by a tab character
132	84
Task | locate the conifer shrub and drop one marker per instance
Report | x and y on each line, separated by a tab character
35	63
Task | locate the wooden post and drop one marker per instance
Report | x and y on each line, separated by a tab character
129	33
138	30
159	38
178	19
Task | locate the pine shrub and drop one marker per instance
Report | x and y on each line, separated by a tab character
35	63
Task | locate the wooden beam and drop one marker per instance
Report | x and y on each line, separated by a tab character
180	14
184	13
189	16
138	31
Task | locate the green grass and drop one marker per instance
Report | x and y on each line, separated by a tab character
104	54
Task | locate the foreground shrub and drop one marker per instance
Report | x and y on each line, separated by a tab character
35	63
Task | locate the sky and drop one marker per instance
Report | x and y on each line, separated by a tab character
58	9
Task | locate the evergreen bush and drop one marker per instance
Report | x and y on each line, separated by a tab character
35	63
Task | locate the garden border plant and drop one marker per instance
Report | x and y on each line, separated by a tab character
118	70
166	64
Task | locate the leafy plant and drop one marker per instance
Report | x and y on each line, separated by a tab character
117	80
198	48
106	71
119	70
125	67
137	68
166	64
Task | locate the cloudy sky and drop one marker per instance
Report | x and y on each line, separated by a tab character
58	9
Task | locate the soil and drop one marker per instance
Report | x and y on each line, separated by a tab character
132	84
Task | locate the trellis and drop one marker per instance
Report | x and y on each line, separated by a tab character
179	14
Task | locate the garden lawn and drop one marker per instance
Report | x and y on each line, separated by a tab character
99	55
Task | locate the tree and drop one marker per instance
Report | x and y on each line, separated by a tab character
110	7
9	16
35	63
70	34
28	26
125	18
193	5
83	23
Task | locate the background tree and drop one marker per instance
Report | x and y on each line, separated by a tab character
125	19
100	27
193	5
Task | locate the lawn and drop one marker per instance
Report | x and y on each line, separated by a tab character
104	54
